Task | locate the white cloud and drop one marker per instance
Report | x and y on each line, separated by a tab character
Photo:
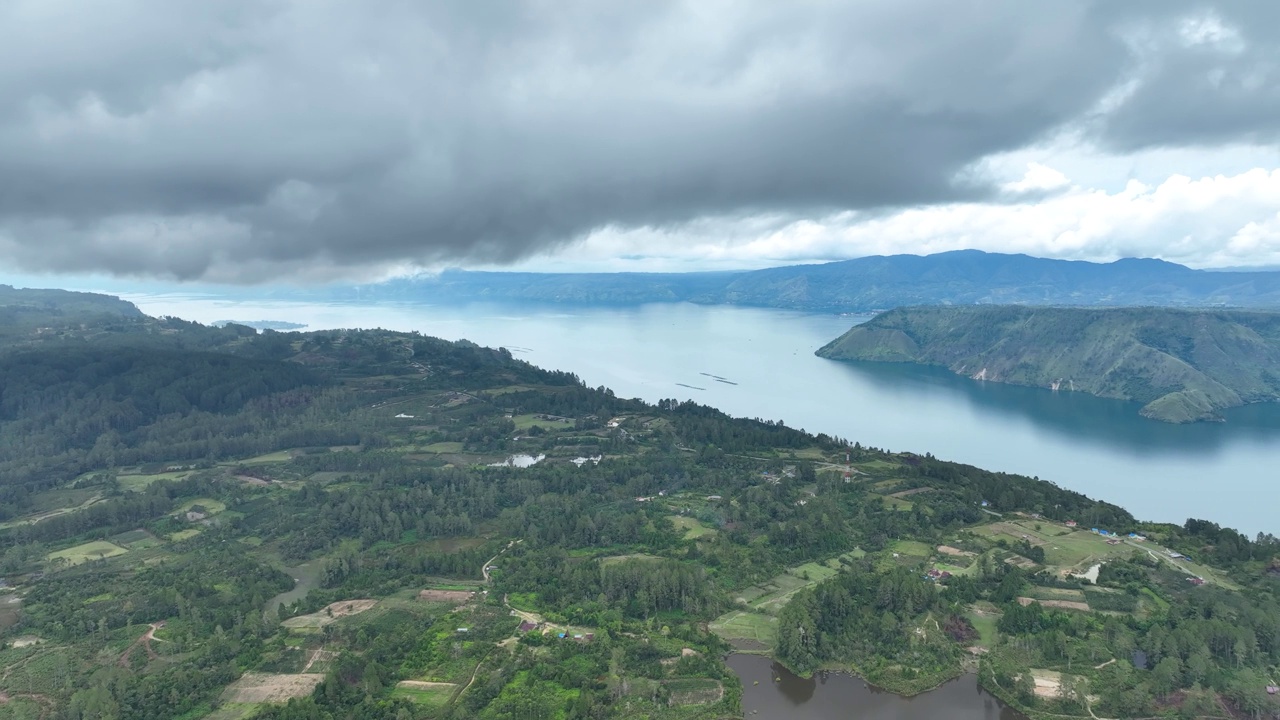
1213	221
1038	178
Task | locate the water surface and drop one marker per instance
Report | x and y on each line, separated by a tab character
827	696
760	363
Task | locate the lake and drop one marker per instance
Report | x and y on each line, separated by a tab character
826	696
760	363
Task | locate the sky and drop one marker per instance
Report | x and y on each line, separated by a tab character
306	141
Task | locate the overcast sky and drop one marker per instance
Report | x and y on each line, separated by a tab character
307	140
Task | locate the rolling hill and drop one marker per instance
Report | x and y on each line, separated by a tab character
1182	365
865	284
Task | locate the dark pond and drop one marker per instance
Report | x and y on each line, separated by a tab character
834	696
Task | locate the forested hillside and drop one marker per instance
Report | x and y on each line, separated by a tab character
367	525
1181	365
865	284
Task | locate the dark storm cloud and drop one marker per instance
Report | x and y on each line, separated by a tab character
1203	73
245	140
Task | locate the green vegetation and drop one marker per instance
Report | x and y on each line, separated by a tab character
1181	365
338	571
691	528
94	550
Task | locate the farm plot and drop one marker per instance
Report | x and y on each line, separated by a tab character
255	688
211	506
137	540
420	692
690	527
1060	604
330	614
96	550
453	597
747	631
694	691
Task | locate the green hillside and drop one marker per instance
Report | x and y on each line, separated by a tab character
1182	365
216	524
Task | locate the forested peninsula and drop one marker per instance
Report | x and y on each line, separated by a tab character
216	523
1181	365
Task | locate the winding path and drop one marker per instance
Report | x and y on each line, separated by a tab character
145	642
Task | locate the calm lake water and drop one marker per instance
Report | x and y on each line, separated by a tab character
1218	471
836	695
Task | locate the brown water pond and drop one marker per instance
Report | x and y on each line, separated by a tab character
835	696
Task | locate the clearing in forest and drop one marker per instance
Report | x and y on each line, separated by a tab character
1062	604
211	506
691	527
431	694
613	559
255	687
95	550
334	612
1048	683
694	691
747	631
456	597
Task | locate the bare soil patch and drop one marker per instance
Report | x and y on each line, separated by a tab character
332	613
1063	604
446	596
954	552
424	685
271	688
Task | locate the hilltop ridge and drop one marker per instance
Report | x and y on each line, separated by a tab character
1182	365
864	284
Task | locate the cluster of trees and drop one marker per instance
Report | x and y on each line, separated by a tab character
636	587
1225	546
867	618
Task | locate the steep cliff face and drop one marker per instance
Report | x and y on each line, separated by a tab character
1183	365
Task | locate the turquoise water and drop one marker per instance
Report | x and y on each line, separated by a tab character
766	368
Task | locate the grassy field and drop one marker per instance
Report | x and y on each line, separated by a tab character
137	540
424	693
986	627
691	528
211	506
524	422
275	457
184	534
756	628
875	466
813	572
233	711
694	691
443	447
911	547
137	482
779	589
1046	593
89	551
631	556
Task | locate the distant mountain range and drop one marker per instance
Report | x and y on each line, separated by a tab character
1183	365
866	284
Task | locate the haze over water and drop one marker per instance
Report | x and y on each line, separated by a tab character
1103	448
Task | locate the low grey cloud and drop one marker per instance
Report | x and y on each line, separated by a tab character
248	141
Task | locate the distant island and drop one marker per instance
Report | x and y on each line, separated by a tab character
263	324
1182	365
